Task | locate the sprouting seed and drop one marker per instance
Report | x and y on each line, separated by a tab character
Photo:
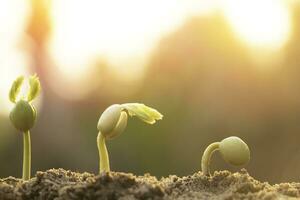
232	149
23	116
113	122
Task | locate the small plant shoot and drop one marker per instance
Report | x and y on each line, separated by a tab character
232	149
113	122
23	116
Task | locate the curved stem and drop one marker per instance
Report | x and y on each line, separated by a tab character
206	157
26	156
103	154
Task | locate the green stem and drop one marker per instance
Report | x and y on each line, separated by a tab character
26	156
205	162
103	155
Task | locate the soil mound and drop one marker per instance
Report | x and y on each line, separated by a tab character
61	184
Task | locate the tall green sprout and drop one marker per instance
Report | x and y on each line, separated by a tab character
113	122
23	116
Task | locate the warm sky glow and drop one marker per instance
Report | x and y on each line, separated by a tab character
264	24
125	32
12	68
122	31
12	61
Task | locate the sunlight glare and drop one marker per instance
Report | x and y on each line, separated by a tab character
123	32
263	24
11	67
13	62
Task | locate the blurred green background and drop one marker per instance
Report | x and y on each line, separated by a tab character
197	67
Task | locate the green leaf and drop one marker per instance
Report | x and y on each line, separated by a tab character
35	87
15	89
143	112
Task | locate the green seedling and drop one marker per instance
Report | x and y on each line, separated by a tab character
232	149
113	122
23	116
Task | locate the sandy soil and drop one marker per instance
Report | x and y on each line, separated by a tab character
61	184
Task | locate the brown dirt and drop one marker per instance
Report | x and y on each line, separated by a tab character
61	184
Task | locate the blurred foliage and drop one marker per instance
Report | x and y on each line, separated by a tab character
204	82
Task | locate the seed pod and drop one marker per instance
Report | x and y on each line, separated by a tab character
112	122
234	151
23	116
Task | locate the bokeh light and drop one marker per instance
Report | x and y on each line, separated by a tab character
264	24
13	62
119	30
